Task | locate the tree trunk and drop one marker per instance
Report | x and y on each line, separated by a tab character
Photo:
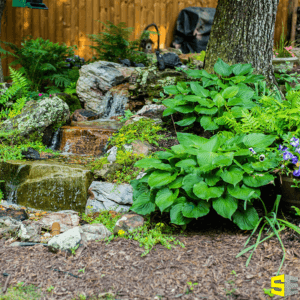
2	7
243	32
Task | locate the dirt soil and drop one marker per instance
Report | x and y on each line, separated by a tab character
211	244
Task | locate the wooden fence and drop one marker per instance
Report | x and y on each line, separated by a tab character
69	21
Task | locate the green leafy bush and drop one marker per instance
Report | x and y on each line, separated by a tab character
270	117
143	130
234	89
199	173
42	61
113	43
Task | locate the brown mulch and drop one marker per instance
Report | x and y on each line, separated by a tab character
208	259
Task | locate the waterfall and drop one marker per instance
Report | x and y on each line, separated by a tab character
55	142
115	105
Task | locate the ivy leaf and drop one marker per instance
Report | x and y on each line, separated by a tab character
203	191
192	210
246	219
225	206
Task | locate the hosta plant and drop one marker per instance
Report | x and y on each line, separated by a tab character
233	88
223	173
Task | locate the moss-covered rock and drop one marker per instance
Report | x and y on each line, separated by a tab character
45	185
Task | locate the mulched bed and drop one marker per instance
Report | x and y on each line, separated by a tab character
208	259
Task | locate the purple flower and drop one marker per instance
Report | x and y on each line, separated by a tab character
251	149
296	173
295	142
294	159
281	148
297	150
287	155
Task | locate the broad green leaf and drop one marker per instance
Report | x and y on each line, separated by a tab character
185	109
186	163
177	183
242	69
257	180
182	87
163	154
243	192
172	103
188	183
237	111
242	152
222	68
206	111
199	90
213	144
177	216
225	206
211	179
258	140
235	101
143	205
192	98
189	139
205	160
178	149
223	159
171	90
230	92
264	165
208	124
192	210
203	191
168	111
152	163
245	92
219	100
246	219
165	198
160	178
186	121
233	175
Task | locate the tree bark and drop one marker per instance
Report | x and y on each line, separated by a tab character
2	7
243	32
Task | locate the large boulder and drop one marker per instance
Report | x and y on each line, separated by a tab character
36	116
108	196
45	185
96	79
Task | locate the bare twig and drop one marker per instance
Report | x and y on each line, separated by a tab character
6	284
174	124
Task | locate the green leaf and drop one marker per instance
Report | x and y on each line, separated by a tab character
246	219
185	109
237	111
211	179
206	111
192	98
235	101
182	87
143	205
208	124
163	154
222	68
177	216
258	140
223	159
242	69
188	183
203	191
188	139
159	178
205	160
171	90
213	144
264	165
165	198
186	163
177	183
152	163
257	180
186	121
245	93
192	210
168	111
199	90
243	192
219	100
225	206
233	175
230	92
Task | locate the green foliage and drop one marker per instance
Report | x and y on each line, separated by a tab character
72	101
128	115
113	43
220	172
127	160
235	89
270	117
21	292
277	225
149	237
280	49
42	61
143	130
